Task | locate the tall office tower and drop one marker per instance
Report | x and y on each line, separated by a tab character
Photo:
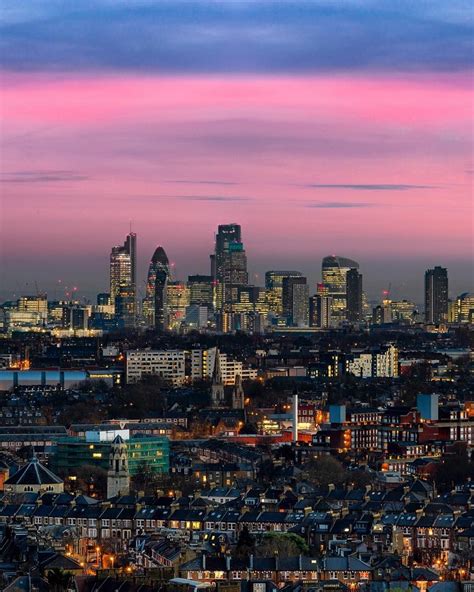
230	261
354	296
155	299
125	307
123	271
461	310
177	301
201	290
320	311
274	288
436	295
334	271
296	301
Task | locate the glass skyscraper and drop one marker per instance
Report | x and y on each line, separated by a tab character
123	280
229	263
154	303
334	271
436	295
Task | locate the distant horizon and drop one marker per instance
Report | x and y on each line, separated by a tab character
320	127
405	278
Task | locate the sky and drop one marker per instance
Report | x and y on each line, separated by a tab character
322	127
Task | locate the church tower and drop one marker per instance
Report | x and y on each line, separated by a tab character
118	477
217	388
238	395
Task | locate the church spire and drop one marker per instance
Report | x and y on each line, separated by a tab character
217	388
238	396
118	477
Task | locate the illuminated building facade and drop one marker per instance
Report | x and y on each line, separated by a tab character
229	263
169	365
334	271
320	311
177	300
71	453
461	310
403	311
296	301
436	295
123	279
201	290
274	289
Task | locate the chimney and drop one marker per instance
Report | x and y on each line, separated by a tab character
227	563
203	561
251	562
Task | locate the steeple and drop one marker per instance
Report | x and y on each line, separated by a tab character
118	477
217	388
238	395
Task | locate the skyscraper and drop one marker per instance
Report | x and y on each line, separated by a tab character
177	301
334	270
154	303
354	296
296	301
320	311
229	264
123	279
436	295
201	290
274	288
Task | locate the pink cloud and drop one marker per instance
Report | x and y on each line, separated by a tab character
123	144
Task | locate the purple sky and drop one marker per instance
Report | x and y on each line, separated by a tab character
320	131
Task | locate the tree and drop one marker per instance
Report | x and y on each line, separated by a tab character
360	478
248	428
324	470
245	544
456	467
90	477
145	479
59	580
139	399
81	411
283	544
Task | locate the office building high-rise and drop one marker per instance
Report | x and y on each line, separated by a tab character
177	301
436	295
274	289
123	279
154	303
296	301
229	264
334	271
201	290
461	310
354	296
320	311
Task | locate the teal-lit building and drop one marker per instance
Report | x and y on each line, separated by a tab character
71	453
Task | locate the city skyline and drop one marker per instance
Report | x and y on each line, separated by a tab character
70	289
241	111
